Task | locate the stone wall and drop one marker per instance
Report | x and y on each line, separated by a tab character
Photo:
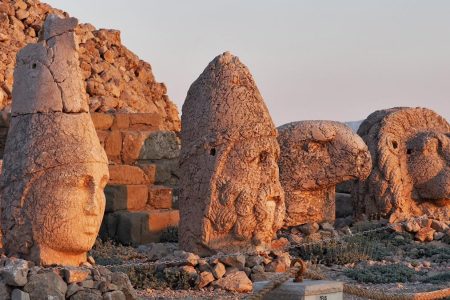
143	173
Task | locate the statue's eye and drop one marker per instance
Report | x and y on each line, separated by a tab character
409	151
431	145
312	147
212	152
263	156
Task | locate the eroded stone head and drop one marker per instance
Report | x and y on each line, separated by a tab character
54	168
231	198
315	156
411	164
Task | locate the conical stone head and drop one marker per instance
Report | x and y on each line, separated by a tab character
54	168
231	198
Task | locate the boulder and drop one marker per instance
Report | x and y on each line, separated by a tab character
235	282
46	285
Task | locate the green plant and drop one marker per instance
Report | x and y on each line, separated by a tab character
169	235
349	249
383	274
438	278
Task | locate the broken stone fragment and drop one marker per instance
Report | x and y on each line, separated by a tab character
425	234
205	279
219	270
72	275
236	282
15	272
19	295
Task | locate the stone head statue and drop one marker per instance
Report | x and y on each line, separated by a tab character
54	168
315	157
410	149
231	198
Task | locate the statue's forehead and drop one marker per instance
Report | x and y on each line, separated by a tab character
268	143
86	169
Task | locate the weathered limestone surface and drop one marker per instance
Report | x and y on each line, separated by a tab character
315	156
410	148
54	168
231	198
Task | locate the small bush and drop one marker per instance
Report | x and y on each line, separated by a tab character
439	278
169	235
382	274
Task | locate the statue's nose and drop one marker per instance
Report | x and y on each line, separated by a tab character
92	206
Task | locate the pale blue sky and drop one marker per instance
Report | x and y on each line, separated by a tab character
337	60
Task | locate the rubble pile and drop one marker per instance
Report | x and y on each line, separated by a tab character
21	279
116	79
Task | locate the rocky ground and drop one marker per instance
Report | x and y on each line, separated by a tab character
393	260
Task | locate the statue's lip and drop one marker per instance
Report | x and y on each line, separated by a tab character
90	228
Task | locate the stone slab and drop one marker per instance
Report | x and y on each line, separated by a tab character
306	290
126	174
125	197
160	197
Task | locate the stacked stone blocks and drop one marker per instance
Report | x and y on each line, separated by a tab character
139	207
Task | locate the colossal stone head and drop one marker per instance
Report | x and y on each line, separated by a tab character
54	168
410	148
315	156
231	198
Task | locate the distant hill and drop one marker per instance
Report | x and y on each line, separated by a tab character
354	125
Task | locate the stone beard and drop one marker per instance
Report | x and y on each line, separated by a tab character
246	197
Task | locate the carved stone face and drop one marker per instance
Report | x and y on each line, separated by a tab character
411	157
71	206
428	162
230	199
249	189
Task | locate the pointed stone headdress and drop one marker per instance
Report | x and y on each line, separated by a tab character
219	118
50	123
